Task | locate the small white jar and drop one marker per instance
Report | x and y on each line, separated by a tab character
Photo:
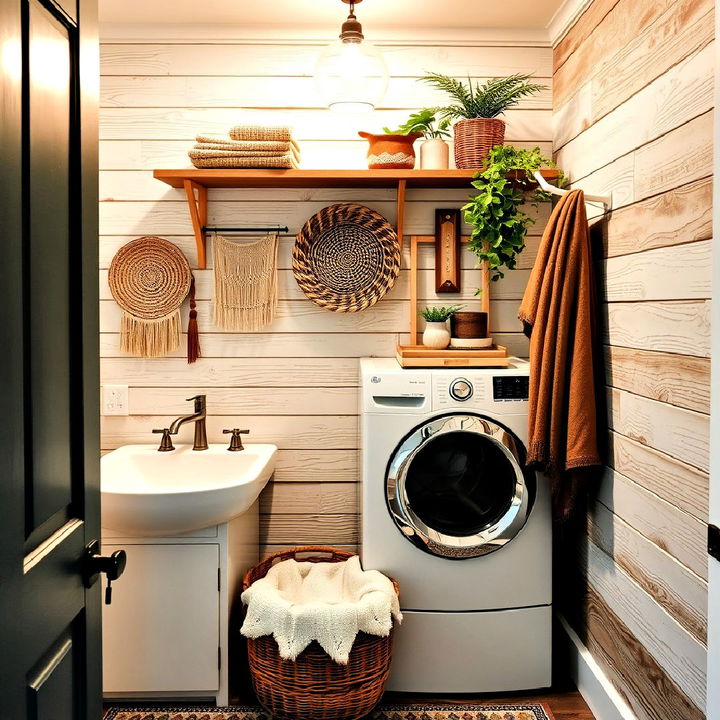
436	335
434	154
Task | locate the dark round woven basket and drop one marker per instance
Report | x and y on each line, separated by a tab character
346	257
314	687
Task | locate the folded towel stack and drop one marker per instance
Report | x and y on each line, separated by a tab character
249	146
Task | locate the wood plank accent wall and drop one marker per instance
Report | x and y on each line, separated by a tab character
633	102
294	383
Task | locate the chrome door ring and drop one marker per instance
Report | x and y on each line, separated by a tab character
427	538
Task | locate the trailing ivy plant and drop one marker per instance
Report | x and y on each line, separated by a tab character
499	224
424	122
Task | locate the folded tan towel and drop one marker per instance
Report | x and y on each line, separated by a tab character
240	152
265	145
219	159
261	132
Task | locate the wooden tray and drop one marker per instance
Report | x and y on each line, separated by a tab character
419	356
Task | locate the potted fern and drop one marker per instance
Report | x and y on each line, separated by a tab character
434	152
476	108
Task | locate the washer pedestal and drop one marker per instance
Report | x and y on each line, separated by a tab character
478	652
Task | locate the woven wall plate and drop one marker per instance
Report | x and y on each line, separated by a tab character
149	277
346	257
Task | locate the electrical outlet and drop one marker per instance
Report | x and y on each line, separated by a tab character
115	400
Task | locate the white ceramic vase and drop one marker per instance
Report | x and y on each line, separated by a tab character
436	335
434	154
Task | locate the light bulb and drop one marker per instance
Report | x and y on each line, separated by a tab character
351	74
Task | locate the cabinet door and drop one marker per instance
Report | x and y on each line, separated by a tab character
161	633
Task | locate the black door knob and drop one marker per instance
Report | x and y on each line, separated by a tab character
112	565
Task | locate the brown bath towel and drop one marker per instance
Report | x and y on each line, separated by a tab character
558	311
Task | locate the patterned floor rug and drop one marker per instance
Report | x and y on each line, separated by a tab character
383	712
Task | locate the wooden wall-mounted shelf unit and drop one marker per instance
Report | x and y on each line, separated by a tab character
196	184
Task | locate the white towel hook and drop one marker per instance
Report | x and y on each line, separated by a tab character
606	200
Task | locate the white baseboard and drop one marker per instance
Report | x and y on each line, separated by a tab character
603	699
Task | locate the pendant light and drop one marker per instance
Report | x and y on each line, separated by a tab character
351	74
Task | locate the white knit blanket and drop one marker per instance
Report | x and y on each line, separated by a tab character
298	602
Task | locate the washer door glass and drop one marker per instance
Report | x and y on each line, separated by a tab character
456	486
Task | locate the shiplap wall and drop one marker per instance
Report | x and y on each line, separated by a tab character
633	102
295	383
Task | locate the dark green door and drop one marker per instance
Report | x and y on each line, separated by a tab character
50	663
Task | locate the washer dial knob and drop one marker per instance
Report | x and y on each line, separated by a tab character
461	389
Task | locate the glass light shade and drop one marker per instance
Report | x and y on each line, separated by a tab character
351	76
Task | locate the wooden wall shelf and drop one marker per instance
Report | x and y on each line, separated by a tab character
196	183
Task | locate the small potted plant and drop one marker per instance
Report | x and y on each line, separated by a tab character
476	108
391	150
436	334
499	223
434	152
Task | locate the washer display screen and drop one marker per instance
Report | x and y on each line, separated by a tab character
460	483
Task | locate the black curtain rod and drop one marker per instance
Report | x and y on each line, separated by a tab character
277	228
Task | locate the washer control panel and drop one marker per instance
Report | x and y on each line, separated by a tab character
461	389
511	387
477	390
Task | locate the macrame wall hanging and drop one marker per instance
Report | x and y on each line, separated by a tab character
149	279
245	283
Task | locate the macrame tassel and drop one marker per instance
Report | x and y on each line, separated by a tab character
245	283
193	338
150	338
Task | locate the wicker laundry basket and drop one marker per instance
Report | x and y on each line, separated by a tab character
314	687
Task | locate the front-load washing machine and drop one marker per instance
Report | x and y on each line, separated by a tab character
451	512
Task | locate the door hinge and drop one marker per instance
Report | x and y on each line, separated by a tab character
714	541
219	658
219	581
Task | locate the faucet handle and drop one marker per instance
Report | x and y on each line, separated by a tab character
165	443
199	402
236	441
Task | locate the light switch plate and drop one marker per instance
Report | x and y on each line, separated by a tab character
115	400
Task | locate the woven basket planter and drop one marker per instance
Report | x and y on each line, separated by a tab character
313	687
474	138
346	257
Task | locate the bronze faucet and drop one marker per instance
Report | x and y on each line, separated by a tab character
198	417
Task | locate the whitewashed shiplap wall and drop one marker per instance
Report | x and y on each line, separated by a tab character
295	383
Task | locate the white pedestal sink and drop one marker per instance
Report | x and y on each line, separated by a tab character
159	494
188	521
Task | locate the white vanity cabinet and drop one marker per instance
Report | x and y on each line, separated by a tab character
167	631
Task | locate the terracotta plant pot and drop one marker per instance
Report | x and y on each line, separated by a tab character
474	138
469	325
391	152
434	155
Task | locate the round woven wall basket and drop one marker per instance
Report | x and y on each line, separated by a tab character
346	257
149	278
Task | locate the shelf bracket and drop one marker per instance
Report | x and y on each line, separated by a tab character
198	216
402	186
